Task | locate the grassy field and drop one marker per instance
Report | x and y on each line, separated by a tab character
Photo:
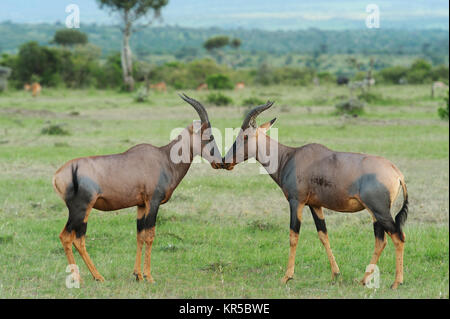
224	234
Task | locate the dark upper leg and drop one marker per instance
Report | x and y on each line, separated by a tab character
294	222
79	196
159	195
378	230
377	198
320	223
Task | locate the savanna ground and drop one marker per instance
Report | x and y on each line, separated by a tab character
224	234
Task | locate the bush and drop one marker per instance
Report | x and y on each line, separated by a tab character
70	37
440	73
252	101
326	77
54	129
219	99
219	82
443	112
392	75
351	106
370	97
284	75
420	72
141	95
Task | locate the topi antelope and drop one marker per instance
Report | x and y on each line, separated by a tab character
239	86
318	177
35	88
160	87
144	176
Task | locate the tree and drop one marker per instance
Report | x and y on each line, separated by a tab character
235	43
131	11
70	37
214	44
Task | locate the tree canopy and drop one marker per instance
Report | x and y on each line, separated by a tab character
136	9
69	37
216	42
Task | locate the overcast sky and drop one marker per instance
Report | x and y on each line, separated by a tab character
286	14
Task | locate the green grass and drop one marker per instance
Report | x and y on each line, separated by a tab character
223	234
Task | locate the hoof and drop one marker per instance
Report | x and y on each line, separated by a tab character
336	276
396	284
149	279
138	276
362	282
286	279
99	278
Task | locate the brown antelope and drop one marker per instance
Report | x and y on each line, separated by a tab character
202	87
318	177
35	88
239	86
144	176
160	87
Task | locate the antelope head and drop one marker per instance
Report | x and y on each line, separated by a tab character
207	148
246	144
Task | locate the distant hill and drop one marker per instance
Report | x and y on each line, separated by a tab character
182	41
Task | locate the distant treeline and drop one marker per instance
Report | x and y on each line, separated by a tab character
186	43
81	66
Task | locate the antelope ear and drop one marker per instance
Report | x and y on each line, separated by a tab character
266	126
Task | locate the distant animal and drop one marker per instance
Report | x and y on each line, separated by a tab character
437	85
369	82
161	86
239	86
342	80
202	87
316	81
35	88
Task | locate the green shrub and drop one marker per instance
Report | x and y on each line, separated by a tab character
392	75
351	106
54	129
440	73
70	37
370	97
219	82
443	112
219	99
252	101
141	95
419	72
326	77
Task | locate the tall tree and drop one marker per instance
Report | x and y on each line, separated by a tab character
131	12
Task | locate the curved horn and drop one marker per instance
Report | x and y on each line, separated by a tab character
251	116
197	106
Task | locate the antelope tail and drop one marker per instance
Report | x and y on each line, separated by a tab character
402	215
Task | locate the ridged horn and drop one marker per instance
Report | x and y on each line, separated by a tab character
251	116
197	106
